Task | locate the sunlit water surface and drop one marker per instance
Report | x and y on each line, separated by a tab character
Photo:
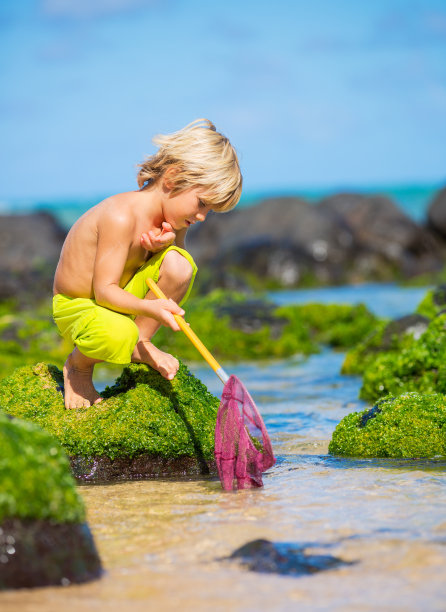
163	542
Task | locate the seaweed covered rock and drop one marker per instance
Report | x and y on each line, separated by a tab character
236	327
387	337
337	325
27	336
146	425
43	535
418	365
433	303
409	426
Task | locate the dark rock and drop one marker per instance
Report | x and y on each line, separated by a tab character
371	414
103	469
386	233
251	315
30	246
281	239
287	241
413	324
436	214
34	554
283	558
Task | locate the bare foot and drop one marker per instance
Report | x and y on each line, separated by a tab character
165	364
79	389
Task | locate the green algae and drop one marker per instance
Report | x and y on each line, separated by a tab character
433	303
336	325
412	425
418	365
35	477
28	337
209	319
303	328
143	413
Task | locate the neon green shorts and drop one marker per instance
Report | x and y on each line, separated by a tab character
101	333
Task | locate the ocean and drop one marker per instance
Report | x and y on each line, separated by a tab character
413	199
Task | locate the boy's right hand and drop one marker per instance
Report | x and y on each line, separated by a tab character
163	311
159	238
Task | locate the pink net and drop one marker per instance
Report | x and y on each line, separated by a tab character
242	445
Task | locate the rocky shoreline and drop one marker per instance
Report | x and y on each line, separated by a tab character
282	242
344	238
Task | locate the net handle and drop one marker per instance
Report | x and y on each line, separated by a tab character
185	327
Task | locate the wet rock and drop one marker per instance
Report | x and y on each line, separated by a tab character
283	558
43	553
30	246
146	426
44	539
411	425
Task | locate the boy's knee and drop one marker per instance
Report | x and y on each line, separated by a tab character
176	268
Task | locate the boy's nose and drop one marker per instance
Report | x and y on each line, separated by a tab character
201	216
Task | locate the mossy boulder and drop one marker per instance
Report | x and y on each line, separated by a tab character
43	535
418	365
387	338
146	425
411	425
338	325
433	303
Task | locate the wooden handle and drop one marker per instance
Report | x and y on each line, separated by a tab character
190	334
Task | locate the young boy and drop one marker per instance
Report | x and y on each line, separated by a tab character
101	302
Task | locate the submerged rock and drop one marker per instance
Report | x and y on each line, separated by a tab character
411	425
145	426
283	558
44	539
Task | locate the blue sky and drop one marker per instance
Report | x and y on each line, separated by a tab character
312	94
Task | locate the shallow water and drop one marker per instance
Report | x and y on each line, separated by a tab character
163	542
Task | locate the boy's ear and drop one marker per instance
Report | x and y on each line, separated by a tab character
168	176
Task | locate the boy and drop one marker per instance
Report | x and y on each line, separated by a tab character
101	302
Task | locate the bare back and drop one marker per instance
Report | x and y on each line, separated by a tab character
123	218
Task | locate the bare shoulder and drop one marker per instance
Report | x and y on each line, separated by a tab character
116	212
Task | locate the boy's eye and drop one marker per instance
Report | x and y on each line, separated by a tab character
201	204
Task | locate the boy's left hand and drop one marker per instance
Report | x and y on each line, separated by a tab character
159	238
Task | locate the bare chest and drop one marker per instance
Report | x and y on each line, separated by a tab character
137	256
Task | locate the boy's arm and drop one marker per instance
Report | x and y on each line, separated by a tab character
114	240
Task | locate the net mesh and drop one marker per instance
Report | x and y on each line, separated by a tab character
242	445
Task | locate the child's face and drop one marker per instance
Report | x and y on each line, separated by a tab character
186	208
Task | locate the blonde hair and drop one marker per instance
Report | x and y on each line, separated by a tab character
202	157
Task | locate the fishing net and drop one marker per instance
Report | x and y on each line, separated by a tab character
242	445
